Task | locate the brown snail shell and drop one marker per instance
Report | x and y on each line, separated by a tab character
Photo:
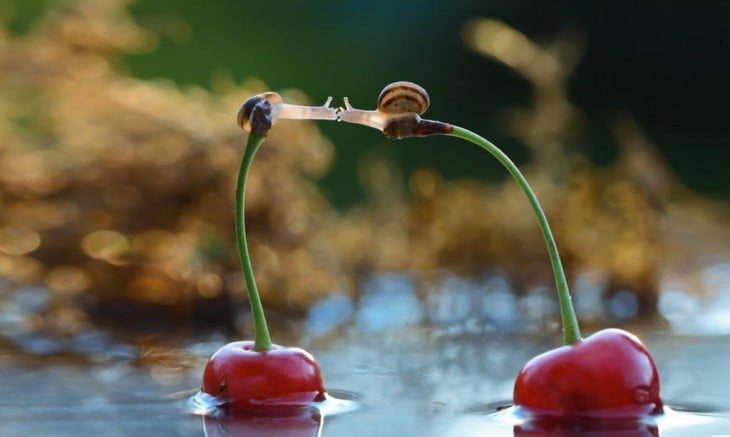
244	113
403	97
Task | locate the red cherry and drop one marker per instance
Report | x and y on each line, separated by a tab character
282	377
608	375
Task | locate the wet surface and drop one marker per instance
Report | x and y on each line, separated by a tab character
418	380
395	363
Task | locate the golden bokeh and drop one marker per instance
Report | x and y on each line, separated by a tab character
122	189
18	240
110	246
155	244
67	279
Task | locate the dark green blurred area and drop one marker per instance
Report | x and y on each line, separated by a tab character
665	63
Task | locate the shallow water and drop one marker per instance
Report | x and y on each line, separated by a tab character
400	365
421	380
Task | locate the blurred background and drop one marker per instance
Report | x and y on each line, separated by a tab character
119	150
666	65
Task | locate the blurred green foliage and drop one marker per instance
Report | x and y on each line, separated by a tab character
662	62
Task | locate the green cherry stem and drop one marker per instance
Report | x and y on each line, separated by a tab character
571	332
262	340
398	115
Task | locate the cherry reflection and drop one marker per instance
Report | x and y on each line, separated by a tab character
306	422
587	428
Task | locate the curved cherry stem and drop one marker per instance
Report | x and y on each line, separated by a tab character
262	340
571	331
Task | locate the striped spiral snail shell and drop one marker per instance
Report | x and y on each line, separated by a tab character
402	97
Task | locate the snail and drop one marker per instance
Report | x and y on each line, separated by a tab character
400	97
258	113
398	115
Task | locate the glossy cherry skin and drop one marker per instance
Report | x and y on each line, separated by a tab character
280	378
609	375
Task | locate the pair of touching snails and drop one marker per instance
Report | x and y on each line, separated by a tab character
589	387
398	114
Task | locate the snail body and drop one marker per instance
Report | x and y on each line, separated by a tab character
258	113
398	115
397	99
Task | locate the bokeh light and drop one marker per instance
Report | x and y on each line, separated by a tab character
118	193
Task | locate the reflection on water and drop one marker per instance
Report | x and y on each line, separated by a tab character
433	365
307	423
416	380
336	402
299	422
509	422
